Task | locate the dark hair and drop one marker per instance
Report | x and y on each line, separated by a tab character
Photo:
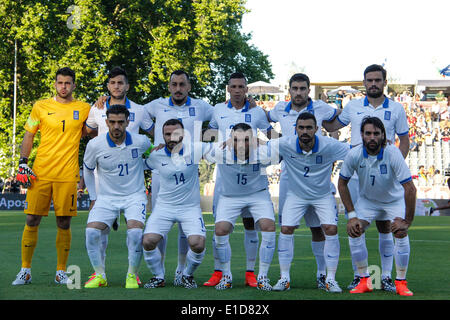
306	116
377	123
300	77
238	75
66	71
374	68
241	126
118	109
172	122
117	71
179	73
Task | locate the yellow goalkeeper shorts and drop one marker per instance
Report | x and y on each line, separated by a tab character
41	192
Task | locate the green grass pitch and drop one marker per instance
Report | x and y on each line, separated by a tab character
428	275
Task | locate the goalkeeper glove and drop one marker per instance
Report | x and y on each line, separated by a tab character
25	174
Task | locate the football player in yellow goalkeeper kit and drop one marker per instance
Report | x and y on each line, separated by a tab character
55	171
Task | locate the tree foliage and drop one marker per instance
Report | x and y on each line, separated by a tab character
149	38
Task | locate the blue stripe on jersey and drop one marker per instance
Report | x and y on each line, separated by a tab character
343	123
402	134
88	167
344	177
406	180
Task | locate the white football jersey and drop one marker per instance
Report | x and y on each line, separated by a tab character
120	168
287	117
192	114
390	112
179	184
225	116
380	176
139	118
309	173
238	177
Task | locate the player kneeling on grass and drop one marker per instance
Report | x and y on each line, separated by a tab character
117	155
243	186
178	201
382	173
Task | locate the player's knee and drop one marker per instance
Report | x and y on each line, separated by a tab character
223	228
329	230
197	243
266	225
63	222
33	220
287	229
149	242
400	234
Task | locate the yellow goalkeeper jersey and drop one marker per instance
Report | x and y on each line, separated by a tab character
61	126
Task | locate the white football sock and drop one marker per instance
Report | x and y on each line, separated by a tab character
93	249
266	252
401	251
217	265
331	253
285	254
183	248
134	244
359	254
386	247
104	244
317	249
193	260
224	254
153	260
251	242
162	246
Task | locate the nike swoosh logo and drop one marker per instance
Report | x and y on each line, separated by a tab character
106	157
359	112
387	256
332	256
166	110
283	250
223	117
293	157
164	164
254	241
50	113
71	210
362	166
270	247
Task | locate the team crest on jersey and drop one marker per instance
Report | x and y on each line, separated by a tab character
131	117
192	112
248	118
318	159
383	169
387	115
256	167
134	153
76	115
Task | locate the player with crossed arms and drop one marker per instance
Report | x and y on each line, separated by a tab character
387	193
309	159
117	155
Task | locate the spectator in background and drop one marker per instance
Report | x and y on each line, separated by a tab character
435	111
437	178
2	184
436	136
422	176
445	135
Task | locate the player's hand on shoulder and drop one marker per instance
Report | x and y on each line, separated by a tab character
252	102
100	102
158	147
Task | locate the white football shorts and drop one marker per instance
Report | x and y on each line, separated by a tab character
107	209
370	210
295	208
258	204
164	217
